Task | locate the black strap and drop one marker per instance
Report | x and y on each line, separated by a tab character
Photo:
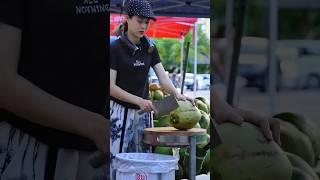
51	163
123	128
151	148
150	120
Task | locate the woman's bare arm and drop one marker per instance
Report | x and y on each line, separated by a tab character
21	97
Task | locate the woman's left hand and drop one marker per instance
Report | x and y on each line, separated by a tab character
269	126
183	98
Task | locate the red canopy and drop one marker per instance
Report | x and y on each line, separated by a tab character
164	27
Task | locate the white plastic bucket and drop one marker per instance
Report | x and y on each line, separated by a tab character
145	166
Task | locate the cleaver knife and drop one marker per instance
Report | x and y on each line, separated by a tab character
164	106
215	134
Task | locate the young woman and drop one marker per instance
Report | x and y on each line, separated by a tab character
131	57
53	89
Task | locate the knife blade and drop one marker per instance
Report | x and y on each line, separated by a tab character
216	136
164	106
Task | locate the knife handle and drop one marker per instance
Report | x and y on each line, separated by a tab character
97	159
140	112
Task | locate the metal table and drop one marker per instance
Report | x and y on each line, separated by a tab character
171	137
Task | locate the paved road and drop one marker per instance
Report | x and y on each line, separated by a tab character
306	103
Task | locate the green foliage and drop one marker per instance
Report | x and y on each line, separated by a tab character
169	50
290	24
257	19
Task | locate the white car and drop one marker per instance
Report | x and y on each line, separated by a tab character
309	63
302	71
202	80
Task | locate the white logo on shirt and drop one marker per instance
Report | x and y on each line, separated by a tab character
92	7
138	63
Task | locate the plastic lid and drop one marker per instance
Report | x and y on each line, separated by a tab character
146	157
148	162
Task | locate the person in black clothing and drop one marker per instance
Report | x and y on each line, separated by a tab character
53	88
132	55
173	76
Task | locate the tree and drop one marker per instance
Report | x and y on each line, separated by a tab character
169	50
256	21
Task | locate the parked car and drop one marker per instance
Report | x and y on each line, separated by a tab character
202	80
303	71
253	63
289	67
188	81
309	63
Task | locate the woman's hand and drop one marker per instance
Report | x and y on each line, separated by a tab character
98	133
270	127
183	98
225	113
146	105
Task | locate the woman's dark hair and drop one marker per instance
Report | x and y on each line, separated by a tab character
123	27
173	69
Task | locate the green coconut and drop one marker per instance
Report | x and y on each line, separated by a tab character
186	116
246	154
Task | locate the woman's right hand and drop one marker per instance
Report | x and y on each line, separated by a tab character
146	105
99	134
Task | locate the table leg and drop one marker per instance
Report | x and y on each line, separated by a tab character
192	163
